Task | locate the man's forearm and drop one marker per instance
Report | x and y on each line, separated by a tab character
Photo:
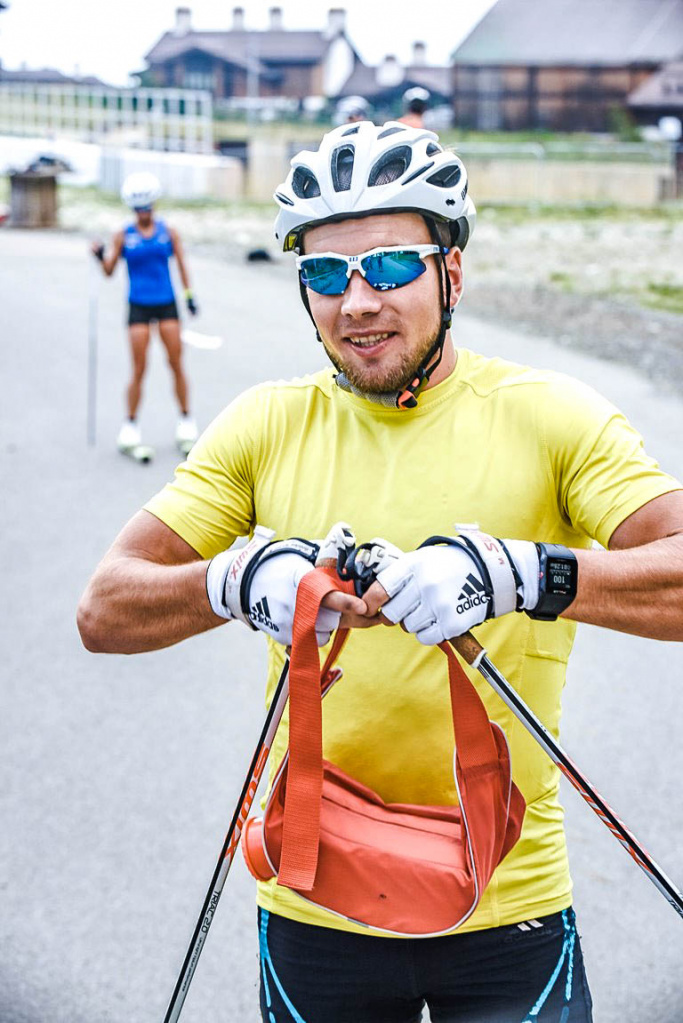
639	590
133	605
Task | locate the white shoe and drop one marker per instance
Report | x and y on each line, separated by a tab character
186	433
129	436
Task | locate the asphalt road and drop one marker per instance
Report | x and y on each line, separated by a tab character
119	775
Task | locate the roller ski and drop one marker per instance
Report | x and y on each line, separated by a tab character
129	443
186	434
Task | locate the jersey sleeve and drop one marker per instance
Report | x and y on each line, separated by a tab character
210	502
602	471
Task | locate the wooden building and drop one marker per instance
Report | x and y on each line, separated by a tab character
561	65
245	64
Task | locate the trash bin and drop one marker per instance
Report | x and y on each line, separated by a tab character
33	199
33	192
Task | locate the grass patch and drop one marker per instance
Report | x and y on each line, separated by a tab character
666	297
562	280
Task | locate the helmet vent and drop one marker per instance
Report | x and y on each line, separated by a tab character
389	131
416	174
342	168
353	130
305	184
446	177
432	148
390	166
284	199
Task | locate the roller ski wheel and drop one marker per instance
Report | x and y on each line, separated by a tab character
141	453
186	434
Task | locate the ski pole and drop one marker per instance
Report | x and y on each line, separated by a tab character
339	538
232	840
475	655
91	415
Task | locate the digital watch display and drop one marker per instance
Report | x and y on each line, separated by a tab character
557	581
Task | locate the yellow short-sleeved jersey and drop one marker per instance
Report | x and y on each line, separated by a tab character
525	454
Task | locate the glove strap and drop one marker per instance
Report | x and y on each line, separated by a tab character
494	566
294	545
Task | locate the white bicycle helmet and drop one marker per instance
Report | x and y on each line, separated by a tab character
140	189
416	98
361	169
353	106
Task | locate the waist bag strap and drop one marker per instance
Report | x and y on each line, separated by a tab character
474	741
301	827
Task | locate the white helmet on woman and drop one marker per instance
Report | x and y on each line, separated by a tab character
362	169
140	189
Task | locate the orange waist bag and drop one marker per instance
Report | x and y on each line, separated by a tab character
416	871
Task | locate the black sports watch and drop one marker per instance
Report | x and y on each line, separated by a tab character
558	574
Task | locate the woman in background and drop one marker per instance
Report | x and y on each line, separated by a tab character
147	245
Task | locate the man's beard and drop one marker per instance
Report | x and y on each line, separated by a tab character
391	380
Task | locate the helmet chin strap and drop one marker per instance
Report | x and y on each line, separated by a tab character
407	398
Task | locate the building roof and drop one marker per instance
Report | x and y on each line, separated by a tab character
662	89
48	76
363	81
236	47
571	32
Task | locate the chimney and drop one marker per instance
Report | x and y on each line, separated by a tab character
389	72
419	54
238	19
336	21
275	19
183	21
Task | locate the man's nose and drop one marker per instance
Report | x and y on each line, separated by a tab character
360	299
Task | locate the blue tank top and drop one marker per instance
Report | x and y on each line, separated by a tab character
147	259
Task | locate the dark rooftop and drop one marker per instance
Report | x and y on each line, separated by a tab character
272	47
568	32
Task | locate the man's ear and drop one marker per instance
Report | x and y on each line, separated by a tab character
454	267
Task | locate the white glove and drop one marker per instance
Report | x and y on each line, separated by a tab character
262	592
439	592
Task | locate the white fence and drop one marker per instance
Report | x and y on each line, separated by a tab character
175	120
182	175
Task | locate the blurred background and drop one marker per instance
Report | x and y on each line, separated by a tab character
118	775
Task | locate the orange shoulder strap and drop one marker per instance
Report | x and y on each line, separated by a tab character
301	828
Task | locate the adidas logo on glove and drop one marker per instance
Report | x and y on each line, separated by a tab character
471	595
260	613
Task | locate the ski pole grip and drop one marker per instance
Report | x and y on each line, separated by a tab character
468	648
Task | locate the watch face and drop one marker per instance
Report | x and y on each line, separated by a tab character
561	575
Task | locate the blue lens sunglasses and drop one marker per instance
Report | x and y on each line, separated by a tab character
328	273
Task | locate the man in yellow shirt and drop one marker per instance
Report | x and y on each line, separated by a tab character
403	438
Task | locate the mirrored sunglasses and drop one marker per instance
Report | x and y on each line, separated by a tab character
328	273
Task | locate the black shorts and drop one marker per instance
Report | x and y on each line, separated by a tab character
151	313
525	973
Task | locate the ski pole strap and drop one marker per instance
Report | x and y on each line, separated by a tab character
301	828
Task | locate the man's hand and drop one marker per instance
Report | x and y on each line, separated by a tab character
258	583
438	592
97	249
